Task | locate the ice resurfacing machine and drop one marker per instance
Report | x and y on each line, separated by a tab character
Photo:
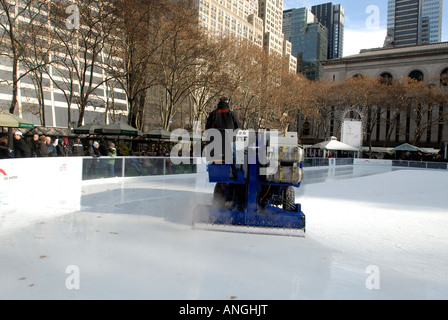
256	195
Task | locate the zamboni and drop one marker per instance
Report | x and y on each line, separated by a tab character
257	194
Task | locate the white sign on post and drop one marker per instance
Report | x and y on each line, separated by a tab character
352	133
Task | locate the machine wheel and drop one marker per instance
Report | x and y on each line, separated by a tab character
289	198
219	196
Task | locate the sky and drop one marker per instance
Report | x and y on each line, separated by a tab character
365	22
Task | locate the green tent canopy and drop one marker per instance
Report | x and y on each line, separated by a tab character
119	128
10	120
90	128
158	133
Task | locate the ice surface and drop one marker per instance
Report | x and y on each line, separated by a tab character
133	239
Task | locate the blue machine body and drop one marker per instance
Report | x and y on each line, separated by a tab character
255	212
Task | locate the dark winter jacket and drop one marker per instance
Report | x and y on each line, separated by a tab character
93	152
78	149
4	152
222	118
42	150
21	149
63	151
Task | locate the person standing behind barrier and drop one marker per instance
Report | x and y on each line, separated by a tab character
42	150
103	147
34	146
78	148
93	149
4	150
20	147
110	163
51	147
90	165
63	149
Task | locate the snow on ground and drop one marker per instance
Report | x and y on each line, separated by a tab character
371	234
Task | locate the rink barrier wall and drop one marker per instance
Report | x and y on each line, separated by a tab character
132	167
48	185
38	187
328	162
37	173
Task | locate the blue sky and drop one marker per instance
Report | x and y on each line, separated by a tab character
365	22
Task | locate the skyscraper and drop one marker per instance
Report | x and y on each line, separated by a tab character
408	22
231	18
414	22
259	21
333	18
432	10
309	41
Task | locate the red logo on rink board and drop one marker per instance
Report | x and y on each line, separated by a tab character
6	177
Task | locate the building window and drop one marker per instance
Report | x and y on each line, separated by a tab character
416	75
386	78
444	78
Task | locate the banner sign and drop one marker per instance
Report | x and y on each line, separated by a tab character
352	133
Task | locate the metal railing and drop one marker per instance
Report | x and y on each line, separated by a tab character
325	162
125	167
419	164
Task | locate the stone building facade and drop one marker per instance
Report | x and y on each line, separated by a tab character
428	63
429	60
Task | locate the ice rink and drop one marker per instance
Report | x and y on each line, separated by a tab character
372	233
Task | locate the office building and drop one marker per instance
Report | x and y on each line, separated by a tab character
238	19
408	22
432	11
333	18
414	22
48	96
427	63
309	39
254	20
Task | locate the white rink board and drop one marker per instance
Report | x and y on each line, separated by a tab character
36	187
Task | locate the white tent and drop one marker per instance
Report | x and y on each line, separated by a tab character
410	148
333	145
407	147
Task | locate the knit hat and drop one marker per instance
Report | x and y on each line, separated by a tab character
95	144
223	103
18	133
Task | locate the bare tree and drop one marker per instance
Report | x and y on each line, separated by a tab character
177	61
81	51
19	21
286	100
244	65
212	80
137	41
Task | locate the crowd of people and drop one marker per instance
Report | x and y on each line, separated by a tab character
45	146
42	146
